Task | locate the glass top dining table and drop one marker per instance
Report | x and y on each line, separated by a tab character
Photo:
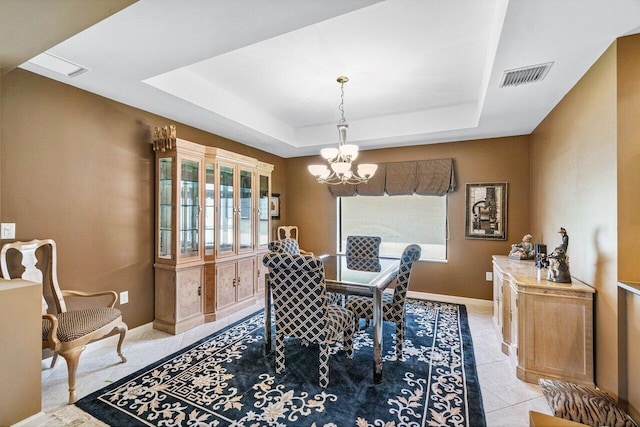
353	276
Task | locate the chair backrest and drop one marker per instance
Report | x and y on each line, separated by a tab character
410	254
364	264
288	232
363	246
299	294
286	246
39	266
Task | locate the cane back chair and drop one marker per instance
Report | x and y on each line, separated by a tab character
301	309
66	332
393	304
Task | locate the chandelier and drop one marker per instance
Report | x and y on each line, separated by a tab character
338	170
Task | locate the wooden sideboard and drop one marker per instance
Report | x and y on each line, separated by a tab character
546	328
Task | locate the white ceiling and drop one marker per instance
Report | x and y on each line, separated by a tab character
421	71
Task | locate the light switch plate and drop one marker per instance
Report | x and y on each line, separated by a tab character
488	276
8	230
124	297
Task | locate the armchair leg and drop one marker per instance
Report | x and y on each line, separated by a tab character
399	339
279	353
122	327
72	357
324	365
348	341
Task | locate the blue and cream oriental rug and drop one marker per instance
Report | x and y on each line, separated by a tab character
226	380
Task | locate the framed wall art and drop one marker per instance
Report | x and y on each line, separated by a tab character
274	205
486	211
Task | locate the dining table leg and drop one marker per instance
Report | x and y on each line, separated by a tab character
377	336
267	317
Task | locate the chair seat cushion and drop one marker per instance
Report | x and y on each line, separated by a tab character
338	319
362	307
583	404
78	323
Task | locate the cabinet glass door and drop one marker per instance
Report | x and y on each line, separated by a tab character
209	209
189	207
263	212
226	210
246	210
165	171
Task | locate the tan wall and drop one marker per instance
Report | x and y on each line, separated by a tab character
632	374
313	209
628	67
78	168
573	164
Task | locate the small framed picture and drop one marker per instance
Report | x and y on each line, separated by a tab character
486	211
274	205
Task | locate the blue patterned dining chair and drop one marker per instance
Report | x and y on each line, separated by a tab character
363	247
287	246
393	304
301	309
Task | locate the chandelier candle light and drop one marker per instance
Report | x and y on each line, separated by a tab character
340	158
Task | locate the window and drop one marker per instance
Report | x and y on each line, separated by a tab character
399	221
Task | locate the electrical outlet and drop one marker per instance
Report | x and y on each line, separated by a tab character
124	297
488	276
8	230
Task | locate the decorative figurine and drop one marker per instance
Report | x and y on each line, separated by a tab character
523	250
559	261
565	240
541	255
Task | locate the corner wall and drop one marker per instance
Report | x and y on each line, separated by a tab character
573	181
628	63
311	207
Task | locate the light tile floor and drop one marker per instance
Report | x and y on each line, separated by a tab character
507	400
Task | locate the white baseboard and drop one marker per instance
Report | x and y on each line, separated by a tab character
450	298
28	420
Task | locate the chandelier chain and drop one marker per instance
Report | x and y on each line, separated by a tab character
341	106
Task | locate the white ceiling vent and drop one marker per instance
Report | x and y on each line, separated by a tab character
59	65
519	76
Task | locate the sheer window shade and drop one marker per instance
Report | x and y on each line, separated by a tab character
423	177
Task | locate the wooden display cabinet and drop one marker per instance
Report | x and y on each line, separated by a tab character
211	233
179	260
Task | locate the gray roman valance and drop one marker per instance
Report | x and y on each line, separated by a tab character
423	177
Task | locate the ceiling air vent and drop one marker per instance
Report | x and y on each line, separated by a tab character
59	65
524	75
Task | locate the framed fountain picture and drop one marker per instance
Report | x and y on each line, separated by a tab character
486	211
274	205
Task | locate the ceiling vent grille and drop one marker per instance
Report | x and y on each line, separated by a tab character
525	75
59	65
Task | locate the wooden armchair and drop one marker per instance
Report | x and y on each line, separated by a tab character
65	332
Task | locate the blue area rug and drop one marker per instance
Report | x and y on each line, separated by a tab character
226	380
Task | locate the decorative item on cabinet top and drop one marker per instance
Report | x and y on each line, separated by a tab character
164	138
